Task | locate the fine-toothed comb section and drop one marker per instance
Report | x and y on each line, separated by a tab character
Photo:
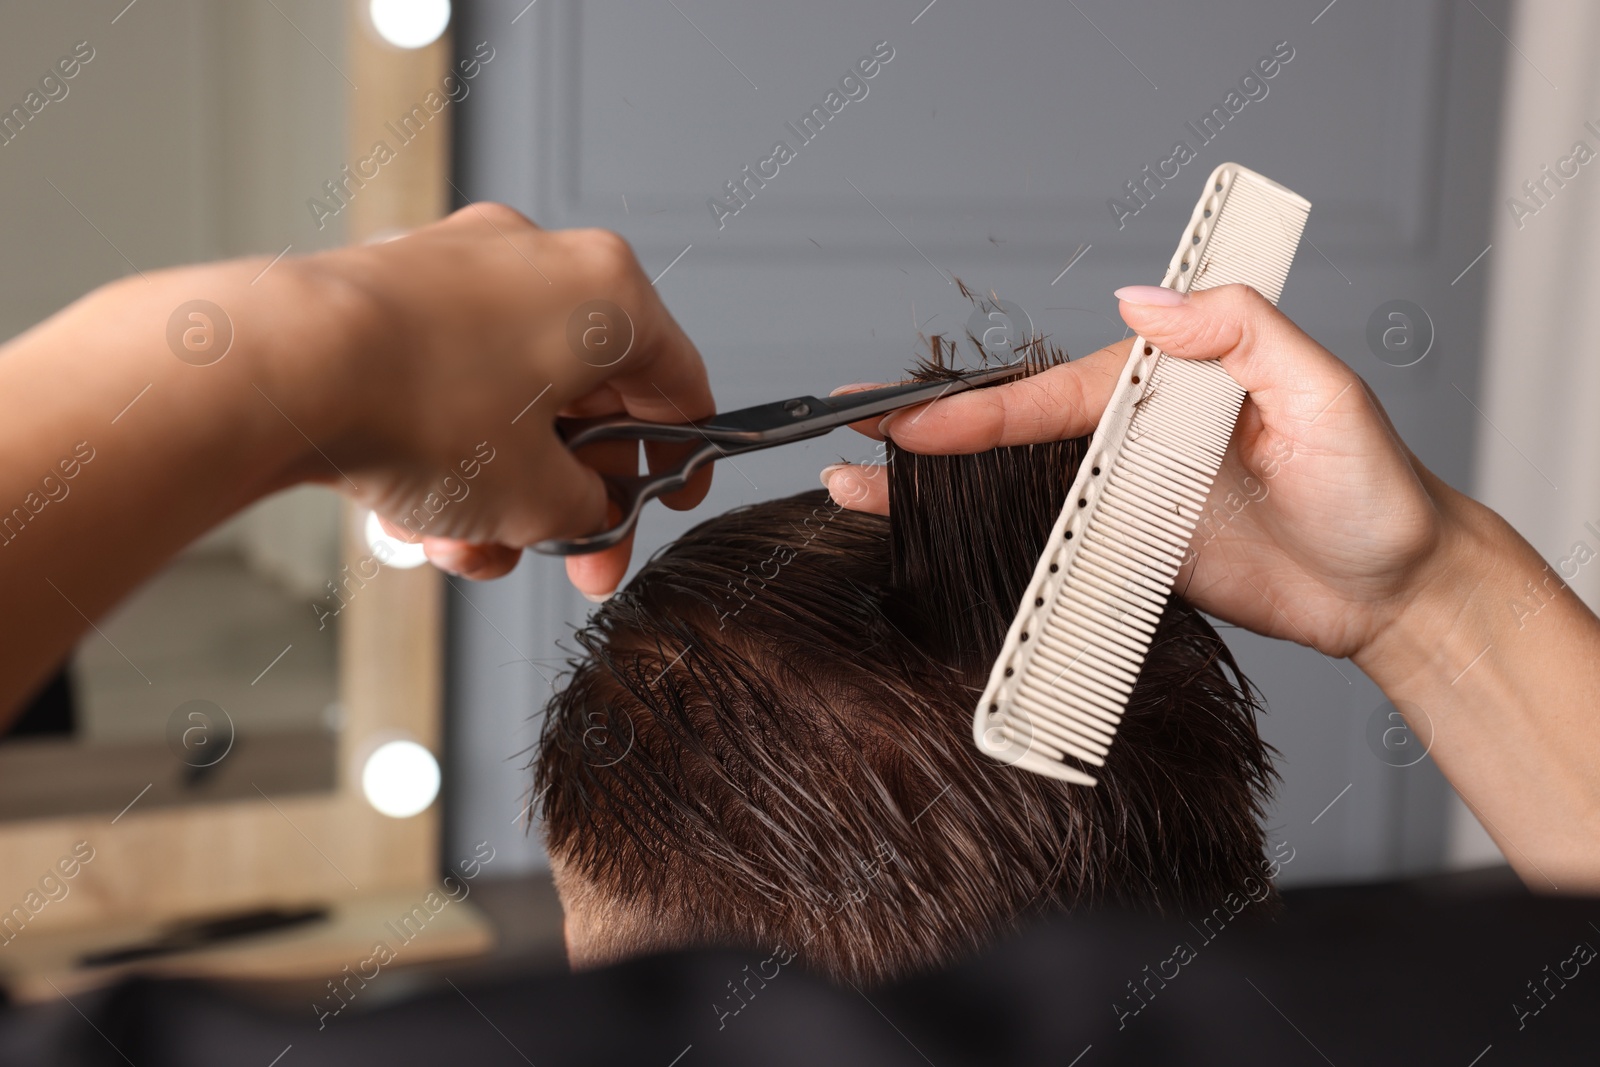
1070	660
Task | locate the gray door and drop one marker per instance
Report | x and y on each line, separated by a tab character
1020	148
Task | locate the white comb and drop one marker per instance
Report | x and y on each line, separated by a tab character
1059	687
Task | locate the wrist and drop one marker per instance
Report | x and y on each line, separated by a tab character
252	352
1453	604
1493	664
353	364
310	330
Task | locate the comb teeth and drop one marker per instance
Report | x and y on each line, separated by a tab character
1073	654
1256	234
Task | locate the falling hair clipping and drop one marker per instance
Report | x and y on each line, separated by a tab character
944	359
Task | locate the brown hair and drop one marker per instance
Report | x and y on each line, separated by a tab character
768	741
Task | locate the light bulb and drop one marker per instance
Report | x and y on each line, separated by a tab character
391	551
410	23
400	779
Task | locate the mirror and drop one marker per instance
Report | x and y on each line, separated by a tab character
217	678
188	131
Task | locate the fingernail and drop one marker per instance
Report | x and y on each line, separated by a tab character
827	472
598	598
846	488
855	388
1153	295
888	422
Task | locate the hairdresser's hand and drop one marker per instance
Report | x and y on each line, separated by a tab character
1321	526
1324	529
421	377
439	412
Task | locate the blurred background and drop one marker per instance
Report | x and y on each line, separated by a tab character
1449	259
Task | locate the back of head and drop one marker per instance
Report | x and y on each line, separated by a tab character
768	741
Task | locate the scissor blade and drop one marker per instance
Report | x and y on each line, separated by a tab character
851	407
746	430
801	417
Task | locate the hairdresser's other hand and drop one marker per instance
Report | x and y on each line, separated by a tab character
470	336
1321	525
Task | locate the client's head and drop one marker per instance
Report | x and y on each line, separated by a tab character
769	740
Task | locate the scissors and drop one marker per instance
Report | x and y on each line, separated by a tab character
733	433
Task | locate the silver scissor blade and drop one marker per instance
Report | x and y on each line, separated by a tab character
851	407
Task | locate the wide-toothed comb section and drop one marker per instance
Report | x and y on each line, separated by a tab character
1073	654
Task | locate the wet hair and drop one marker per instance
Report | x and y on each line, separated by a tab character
767	742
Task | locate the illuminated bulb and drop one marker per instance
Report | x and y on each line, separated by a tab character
410	23
391	551
400	779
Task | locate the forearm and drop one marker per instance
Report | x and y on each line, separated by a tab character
1500	662
118	453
